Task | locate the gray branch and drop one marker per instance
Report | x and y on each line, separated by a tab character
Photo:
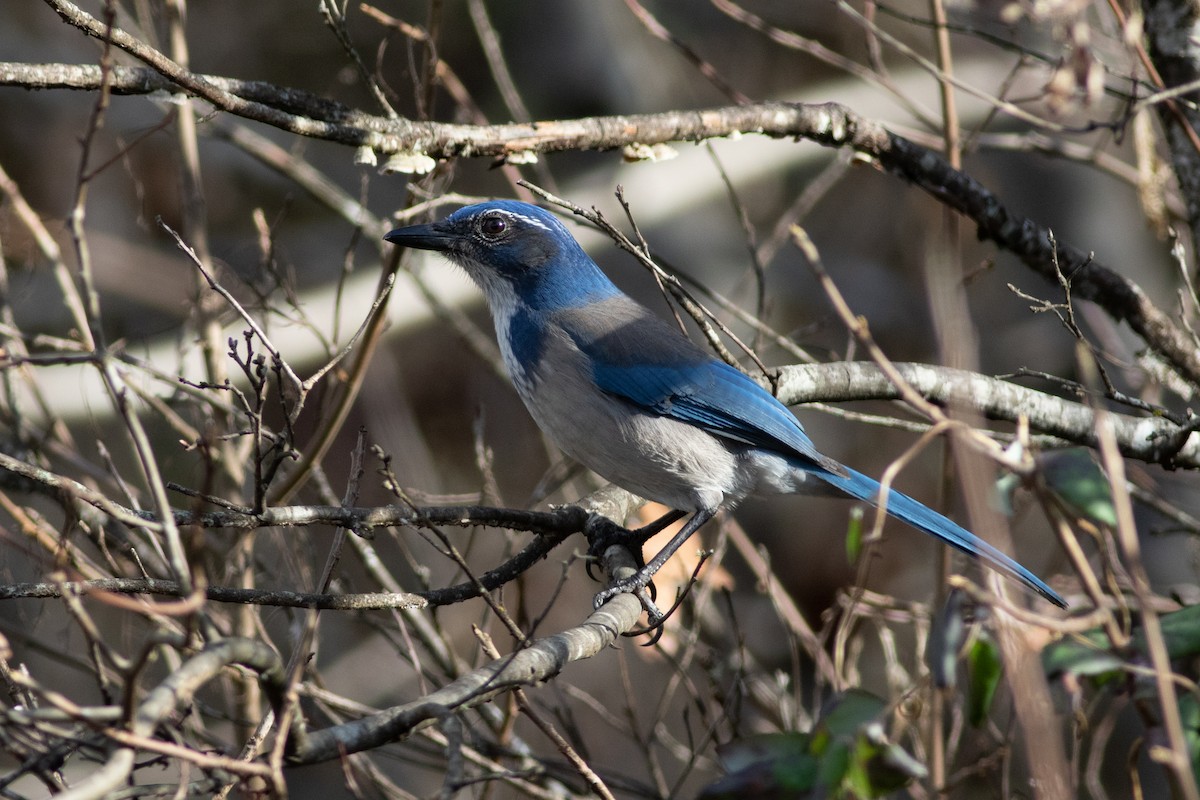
364	601
1170	33
1150	439
176	692
530	666
829	124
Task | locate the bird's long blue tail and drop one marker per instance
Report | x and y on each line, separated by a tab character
905	508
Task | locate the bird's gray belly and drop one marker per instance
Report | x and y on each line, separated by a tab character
655	457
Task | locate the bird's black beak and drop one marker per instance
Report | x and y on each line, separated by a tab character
423	237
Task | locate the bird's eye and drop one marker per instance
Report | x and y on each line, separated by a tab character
493	227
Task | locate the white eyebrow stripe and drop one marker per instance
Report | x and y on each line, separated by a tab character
530	220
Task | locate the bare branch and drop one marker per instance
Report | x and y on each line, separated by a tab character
1151	439
829	124
175	692
541	660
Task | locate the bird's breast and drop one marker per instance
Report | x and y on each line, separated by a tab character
653	456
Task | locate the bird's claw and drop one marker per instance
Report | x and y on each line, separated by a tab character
603	534
641	587
634	584
639	584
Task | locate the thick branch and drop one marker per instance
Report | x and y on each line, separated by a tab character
1171	34
829	124
529	555
540	661
176	692
1151	439
226	594
1120	297
564	520
589	516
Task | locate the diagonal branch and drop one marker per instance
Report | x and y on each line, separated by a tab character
828	124
540	661
1151	439
1170	33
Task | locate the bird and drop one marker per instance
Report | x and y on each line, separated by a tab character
629	396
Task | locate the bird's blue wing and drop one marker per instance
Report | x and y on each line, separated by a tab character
723	401
640	358
715	397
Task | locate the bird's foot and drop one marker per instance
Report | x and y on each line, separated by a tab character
636	584
602	533
640	585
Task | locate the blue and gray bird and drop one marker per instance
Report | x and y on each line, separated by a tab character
631	398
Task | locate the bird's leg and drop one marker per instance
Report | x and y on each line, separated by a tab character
654	528
640	579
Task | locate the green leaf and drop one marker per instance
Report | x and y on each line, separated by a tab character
843	714
984	668
741	753
846	755
880	767
1189	714
1091	653
765	767
1181	632
854	535
833	768
1077	480
1085	654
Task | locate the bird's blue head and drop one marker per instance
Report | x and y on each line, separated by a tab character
516	252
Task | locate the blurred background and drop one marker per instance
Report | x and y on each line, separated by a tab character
306	264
